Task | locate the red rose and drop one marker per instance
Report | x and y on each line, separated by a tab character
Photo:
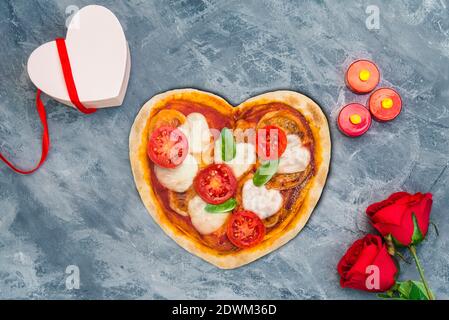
367	266
403	216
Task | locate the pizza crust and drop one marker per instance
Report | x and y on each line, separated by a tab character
139	164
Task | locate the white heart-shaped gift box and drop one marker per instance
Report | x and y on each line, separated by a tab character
99	57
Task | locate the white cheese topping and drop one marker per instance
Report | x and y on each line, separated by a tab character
203	221
260	200
180	178
197	132
296	157
245	157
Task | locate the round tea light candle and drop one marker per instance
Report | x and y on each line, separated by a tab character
354	120
385	104
362	76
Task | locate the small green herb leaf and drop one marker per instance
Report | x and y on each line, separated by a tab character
265	172
228	145
222	207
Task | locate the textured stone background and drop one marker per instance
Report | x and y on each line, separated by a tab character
82	208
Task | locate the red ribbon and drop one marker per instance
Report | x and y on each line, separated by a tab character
73	94
68	77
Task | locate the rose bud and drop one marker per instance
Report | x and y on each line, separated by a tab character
403	216
367	266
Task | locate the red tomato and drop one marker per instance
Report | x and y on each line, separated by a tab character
167	147
215	184
245	229
271	142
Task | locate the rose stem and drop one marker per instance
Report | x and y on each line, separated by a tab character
421	271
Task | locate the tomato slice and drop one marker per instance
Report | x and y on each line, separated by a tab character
167	147
271	142
245	229
216	183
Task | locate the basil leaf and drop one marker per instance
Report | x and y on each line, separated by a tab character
222	207
265	172
228	145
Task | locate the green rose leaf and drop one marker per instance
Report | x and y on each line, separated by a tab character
228	145
265	172
407	290
412	290
226	206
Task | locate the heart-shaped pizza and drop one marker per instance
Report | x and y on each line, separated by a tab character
230	184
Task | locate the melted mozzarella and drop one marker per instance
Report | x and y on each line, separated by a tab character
203	221
260	200
180	178
245	157
296	157
197	132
